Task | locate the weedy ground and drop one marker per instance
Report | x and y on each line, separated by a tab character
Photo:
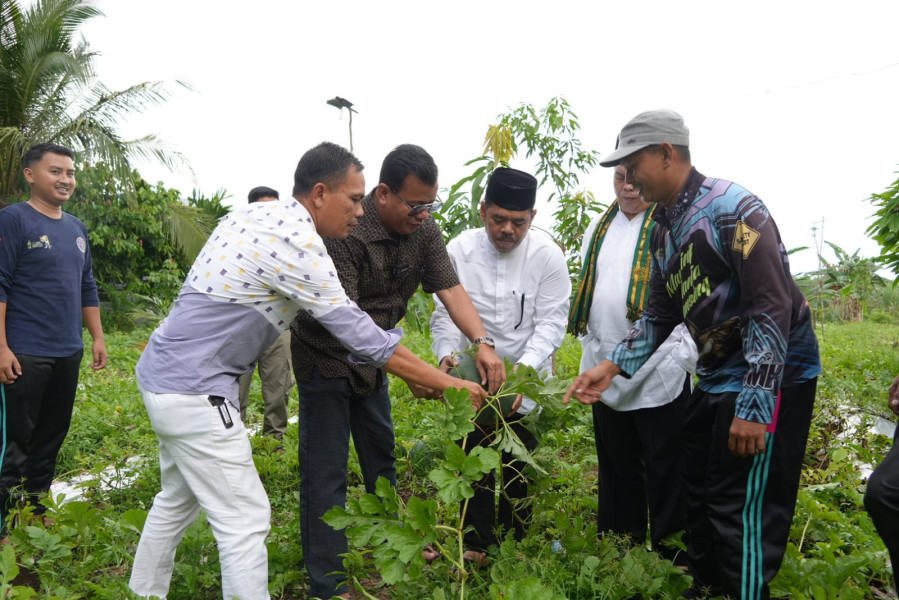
85	548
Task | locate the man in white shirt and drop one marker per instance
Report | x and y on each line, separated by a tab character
518	281
637	423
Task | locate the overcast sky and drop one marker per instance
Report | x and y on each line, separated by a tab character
796	101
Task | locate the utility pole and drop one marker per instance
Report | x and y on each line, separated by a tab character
341	103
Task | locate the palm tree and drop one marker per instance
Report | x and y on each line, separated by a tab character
49	93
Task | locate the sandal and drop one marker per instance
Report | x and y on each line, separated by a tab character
430	554
474	558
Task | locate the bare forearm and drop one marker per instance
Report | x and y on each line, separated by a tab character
9	364
3	343
91	317
412	369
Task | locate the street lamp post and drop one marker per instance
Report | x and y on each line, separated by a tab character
341	103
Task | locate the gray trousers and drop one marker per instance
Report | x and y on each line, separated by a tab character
277	381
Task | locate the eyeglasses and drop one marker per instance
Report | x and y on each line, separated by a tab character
418	208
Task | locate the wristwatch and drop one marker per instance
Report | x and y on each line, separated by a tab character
485	340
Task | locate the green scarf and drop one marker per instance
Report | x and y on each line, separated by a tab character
638	290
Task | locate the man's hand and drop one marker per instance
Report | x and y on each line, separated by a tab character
98	350
515	405
10	369
478	393
894	397
447	363
421	391
747	438
589	385
491	368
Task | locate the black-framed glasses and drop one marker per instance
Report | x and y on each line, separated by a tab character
419	208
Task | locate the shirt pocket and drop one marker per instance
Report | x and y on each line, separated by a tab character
520	308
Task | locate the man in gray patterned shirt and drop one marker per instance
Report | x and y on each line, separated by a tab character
261	265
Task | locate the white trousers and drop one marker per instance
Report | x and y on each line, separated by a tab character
203	465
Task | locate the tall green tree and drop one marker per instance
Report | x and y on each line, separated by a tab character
135	234
885	229
49	93
142	241
549	136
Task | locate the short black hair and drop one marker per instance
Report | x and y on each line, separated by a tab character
327	163
37	152
262	192
684	152
405	160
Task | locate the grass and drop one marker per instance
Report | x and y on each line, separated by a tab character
860	360
86	553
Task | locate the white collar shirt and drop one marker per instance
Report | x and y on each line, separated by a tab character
522	298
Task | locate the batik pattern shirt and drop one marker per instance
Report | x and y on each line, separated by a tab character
720	266
380	270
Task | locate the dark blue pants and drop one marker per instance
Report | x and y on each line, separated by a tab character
35	413
882	501
641	463
329	412
739	510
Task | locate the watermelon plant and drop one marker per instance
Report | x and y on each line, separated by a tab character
396	529
498	406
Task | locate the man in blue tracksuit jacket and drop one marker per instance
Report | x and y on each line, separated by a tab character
720	267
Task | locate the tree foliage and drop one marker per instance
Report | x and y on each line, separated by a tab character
885	229
548	135
49	93
142	242
851	279
127	232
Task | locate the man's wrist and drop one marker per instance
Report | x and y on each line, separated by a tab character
484	340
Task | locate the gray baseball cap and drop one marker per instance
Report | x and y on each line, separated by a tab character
648	129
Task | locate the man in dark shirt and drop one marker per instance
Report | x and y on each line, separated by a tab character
47	290
396	247
719	266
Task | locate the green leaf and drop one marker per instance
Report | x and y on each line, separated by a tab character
456	421
361	533
371	505
9	570
405	541
479	462
387	492
392	570
133	520
450	487
422	514
339	518
529	588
